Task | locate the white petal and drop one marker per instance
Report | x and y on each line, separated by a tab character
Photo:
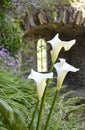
55	52
62	69
57	45
40	80
64	66
54	41
41	88
62	60
39	76
68	44
67	67
34	75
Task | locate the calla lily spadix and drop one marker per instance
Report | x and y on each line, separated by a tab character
40	80
62	69
57	45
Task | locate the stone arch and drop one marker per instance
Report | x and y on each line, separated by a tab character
75	56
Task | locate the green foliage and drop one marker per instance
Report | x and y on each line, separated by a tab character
72	114
5	4
12	116
50	5
14	90
10	34
20	94
73	124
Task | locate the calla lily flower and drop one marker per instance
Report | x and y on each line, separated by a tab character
40	80
57	45
62	69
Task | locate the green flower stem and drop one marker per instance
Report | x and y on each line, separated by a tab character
56	127
51	110
42	103
51	67
41	108
31	124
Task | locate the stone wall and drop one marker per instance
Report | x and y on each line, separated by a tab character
71	14
28	57
76	57
66	14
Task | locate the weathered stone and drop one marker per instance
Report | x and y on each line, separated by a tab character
41	17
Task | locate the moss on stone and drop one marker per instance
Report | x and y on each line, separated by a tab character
48	31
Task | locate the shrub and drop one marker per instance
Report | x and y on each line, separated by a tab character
10	34
8	62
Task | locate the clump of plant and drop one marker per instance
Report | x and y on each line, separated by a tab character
7	61
5	4
16	94
10	34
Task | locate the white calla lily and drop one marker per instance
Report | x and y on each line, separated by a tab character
62	69
57	45
40	80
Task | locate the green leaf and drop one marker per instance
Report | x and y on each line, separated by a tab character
2	128
12	116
